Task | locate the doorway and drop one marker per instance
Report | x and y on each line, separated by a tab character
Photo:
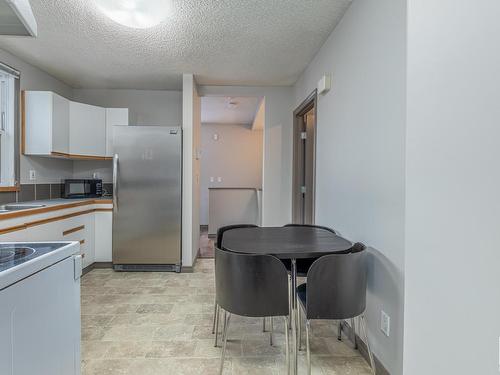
304	161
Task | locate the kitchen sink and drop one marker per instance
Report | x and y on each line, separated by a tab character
9	253
18	207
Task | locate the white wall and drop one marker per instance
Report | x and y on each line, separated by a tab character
236	157
146	107
191	143
278	136
47	170
452	306
360	152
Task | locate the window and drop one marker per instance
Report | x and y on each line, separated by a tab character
8	118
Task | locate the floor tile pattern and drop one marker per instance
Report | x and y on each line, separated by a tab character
161	323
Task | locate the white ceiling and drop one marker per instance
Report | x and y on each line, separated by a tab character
217	110
258	42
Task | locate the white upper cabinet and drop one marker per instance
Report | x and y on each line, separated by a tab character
46	123
114	116
55	126
87	130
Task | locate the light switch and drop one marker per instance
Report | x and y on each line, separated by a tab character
32	174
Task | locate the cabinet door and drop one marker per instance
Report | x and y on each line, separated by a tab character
87	131
60	124
114	116
38	122
103	236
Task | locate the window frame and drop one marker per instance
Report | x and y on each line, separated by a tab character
9	124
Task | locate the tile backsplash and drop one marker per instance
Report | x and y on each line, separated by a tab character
33	192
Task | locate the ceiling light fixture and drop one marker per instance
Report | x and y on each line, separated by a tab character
139	14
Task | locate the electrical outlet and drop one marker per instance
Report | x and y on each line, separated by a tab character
95	175
212	179
32	174
219	179
385	323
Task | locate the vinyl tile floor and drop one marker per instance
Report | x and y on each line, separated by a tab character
161	323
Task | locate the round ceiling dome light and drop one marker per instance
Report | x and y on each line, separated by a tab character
139	14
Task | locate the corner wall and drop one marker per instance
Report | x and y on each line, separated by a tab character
360	175
191	140
452	305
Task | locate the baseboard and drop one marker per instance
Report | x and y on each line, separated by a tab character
379	367
204	228
103	264
87	269
190	269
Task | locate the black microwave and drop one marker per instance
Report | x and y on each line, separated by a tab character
81	188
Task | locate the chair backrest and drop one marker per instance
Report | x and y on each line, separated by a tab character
251	285
336	286
311	226
221	230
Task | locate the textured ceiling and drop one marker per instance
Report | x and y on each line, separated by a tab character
257	42
217	110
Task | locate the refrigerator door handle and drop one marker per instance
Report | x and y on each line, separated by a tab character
115	182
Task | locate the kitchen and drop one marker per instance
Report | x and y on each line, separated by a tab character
125	249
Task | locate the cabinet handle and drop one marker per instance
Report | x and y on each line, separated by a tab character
73	230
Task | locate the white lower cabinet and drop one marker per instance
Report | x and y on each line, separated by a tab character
93	230
103	236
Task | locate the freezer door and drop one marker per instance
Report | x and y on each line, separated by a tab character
147	200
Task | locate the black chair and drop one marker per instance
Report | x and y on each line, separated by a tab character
253	286
218	244
336	290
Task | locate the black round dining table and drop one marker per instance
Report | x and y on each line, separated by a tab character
292	243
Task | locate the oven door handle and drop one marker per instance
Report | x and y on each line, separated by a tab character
115	182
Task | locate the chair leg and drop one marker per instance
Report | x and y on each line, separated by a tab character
224	341
263	324
271	331
215	316
299	329
339	335
287	347
308	349
353	329
217	319
365	333
290	296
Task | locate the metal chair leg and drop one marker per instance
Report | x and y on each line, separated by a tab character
370	354
271	331
263	324
299	329
339	335
353	329
308	349
217	318
287	347
224	341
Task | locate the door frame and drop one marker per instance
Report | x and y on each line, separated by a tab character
311	102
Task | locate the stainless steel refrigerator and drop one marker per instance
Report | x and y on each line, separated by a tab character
147	199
